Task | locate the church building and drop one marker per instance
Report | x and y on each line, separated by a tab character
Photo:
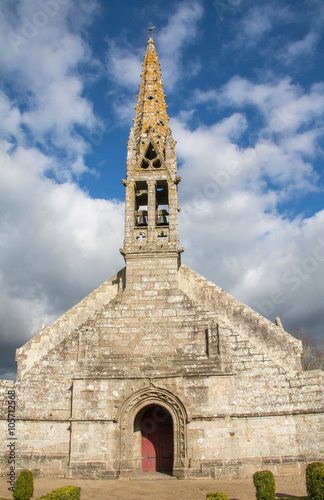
160	369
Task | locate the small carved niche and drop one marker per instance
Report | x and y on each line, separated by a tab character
212	340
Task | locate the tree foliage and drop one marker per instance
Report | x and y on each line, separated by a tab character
313	350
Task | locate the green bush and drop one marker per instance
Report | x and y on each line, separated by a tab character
313	489
319	483
216	496
265	485
64	493
24	487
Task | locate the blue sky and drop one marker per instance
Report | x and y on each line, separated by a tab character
245	88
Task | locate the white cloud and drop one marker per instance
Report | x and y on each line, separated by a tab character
300	49
304	142
11	118
230	223
55	240
124	65
258	22
57	244
40	58
286	108
215	150
283	147
180	31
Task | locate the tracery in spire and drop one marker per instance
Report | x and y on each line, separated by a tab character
151	110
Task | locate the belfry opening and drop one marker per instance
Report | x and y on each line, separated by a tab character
141	201
162	203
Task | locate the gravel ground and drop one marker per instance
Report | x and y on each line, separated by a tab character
158	489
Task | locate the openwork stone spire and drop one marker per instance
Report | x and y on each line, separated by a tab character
151	211
151	110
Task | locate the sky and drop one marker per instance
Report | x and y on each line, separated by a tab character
244	84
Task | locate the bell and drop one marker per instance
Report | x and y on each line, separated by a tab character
162	220
141	218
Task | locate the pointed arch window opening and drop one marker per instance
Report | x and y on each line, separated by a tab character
151	154
141	203
162	203
152	158
145	164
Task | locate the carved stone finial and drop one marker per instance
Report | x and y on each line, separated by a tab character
278	322
42	328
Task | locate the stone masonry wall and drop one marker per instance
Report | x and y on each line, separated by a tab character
237	447
281	347
49	337
247	405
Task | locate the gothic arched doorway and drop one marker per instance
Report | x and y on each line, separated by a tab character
157	439
130	418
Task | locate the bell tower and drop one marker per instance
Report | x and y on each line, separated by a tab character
151	208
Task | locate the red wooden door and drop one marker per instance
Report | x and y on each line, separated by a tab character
157	440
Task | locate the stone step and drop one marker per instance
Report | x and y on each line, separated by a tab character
151	476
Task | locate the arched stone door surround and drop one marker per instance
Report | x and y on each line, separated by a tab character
130	448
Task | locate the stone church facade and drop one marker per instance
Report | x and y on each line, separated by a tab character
159	368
